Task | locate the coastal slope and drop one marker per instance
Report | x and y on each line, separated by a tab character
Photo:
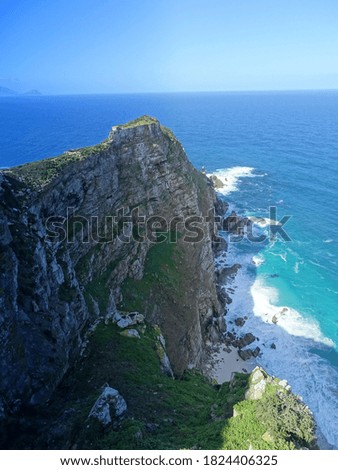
53	288
109	307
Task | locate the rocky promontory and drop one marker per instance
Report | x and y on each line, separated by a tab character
109	300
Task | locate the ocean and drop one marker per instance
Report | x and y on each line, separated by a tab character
272	149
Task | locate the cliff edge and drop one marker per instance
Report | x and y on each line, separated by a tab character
108	304
64	264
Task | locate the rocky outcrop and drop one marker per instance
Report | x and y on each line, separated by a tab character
68	242
236	224
109	406
161	352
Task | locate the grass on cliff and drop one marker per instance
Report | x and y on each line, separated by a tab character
38	174
140	121
164	413
161	274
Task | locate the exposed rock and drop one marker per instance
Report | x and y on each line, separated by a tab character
239	321
162	354
221	324
236	224
221	206
277	315
273	346
257	385
283	383
218	184
130	333
129	319
245	354
267	437
124	322
223	296
224	273
256	352
52	291
219	245
247	339
108	406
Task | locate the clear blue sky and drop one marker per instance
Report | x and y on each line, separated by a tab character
113	46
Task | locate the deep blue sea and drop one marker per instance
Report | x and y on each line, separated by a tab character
274	149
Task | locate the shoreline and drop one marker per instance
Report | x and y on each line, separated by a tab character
223	361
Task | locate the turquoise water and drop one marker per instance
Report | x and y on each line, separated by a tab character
290	141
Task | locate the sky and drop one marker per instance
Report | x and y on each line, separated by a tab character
132	46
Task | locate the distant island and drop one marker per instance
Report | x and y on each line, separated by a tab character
9	92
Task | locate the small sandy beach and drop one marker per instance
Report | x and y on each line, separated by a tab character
223	363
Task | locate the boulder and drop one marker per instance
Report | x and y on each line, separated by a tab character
221	324
164	359
217	183
239	321
245	354
247	339
223	297
283	383
129	319
229	271
130	333
258	382
109	406
256	351
124	322
275	319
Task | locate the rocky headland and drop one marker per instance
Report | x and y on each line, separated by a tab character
110	305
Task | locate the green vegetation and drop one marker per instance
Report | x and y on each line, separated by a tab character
280	411
162	275
38	174
141	121
172	414
98	289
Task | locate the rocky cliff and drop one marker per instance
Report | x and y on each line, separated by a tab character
72	252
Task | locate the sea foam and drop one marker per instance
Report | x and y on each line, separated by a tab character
294	336
230	177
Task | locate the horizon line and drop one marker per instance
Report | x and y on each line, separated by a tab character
288	90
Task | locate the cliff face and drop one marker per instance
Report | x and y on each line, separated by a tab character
52	290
